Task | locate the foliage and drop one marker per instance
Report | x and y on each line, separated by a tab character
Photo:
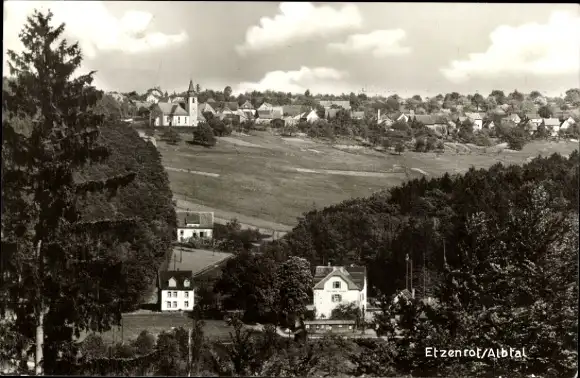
93	347
294	284
516	138
171	136
203	135
56	255
345	311
399	148
145	343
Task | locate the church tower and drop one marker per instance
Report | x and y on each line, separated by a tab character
191	105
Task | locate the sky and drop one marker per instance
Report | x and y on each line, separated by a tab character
381	48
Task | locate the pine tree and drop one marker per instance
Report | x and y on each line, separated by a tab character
60	274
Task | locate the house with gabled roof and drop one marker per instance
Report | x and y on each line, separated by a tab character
194	225
175	290
265	106
247	105
476	119
336	285
552	125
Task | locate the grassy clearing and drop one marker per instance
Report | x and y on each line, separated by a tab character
266	183
195	260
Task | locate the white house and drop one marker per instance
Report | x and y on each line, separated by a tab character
312	116
194	225
176	114
152	98
266	106
552	125
335	285
175	290
477	120
567	123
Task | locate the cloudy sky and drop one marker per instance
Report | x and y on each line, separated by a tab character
404	48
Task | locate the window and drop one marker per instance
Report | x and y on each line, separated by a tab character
175	294
349	327
181	232
168	294
186	293
336	298
168	304
171	282
186	284
186	304
201	234
178	120
174	304
336	285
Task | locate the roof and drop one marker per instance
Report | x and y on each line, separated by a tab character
171	108
204	219
269	114
426	119
232	105
473	116
191	88
179	275
532	115
328	321
358	114
247	105
551	122
292	110
353	275
342	104
205	107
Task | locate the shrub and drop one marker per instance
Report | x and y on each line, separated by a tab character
93	347
399	148
203	135
420	145
145	343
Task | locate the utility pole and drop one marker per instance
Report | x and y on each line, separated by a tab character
189	359
407	271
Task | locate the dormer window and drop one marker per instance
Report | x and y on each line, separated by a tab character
171	282
336	285
186	283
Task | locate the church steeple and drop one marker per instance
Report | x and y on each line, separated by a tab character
191	90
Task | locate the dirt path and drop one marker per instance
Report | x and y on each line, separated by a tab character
222	217
193	172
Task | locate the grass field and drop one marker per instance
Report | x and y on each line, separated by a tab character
156	323
276	179
195	260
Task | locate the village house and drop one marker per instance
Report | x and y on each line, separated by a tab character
567	123
194	225
312	116
248	110
176	114
476	119
534	118
175	290
552	125
335	285
514	118
152	98
358	115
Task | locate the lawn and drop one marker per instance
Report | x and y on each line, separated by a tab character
276	179
156	323
195	260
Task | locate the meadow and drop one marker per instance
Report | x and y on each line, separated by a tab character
264	177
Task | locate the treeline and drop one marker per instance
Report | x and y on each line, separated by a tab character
424	218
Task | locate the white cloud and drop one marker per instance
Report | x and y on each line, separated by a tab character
537	49
92	25
298	22
381	43
318	80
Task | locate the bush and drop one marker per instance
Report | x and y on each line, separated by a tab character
145	343
482	140
203	135
516	138
171	136
123	351
93	347
430	143
399	148
420	145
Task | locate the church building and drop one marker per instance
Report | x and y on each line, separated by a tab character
176	113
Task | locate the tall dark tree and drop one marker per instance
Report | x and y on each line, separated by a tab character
54	261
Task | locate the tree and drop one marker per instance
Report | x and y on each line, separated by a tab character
307	93
145	343
169	354
420	145
517	96
227	92
171	136
573	96
499	96
345	311
93	347
545	111
294	283
51	247
249	282
400	148
516	138
203	135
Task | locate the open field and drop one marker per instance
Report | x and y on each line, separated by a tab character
195	260
156	323
285	177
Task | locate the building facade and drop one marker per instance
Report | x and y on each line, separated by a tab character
339	285
194	225
175	291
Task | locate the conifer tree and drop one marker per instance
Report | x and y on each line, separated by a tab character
60	273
